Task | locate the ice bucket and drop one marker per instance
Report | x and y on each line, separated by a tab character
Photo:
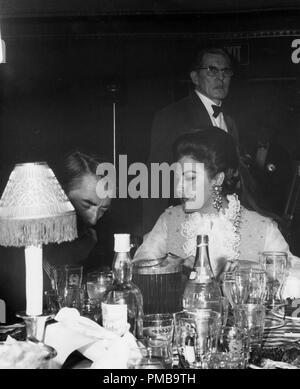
161	284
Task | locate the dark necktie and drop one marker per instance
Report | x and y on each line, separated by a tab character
217	110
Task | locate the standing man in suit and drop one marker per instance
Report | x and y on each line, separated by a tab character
211	75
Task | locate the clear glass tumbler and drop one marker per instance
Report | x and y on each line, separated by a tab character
195	335
231	350
252	318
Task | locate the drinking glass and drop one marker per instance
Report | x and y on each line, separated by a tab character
66	276
73	298
67	282
252	285
252	318
159	329
275	265
229	287
257	288
153	354
97	283
195	334
52	302
221	307
235	287
231	349
245	286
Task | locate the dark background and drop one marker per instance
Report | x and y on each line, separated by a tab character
62	56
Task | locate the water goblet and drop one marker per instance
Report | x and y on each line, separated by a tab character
242	287
257	288
251	283
230	288
275	265
245	286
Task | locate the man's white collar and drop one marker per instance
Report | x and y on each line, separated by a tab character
207	102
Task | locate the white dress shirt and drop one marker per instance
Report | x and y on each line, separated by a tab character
219	121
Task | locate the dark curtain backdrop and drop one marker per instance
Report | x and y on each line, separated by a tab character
53	88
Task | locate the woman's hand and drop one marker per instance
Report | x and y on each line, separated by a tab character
189	262
229	266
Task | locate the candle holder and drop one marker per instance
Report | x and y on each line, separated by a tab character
35	325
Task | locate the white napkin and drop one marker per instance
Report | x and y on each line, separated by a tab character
119	353
291	287
105	348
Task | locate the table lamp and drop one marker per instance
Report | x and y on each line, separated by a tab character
34	210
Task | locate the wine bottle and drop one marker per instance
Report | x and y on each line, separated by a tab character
122	303
202	289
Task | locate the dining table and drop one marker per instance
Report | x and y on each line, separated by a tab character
279	333
281	337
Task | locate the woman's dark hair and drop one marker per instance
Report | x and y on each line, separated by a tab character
213	147
219	153
75	165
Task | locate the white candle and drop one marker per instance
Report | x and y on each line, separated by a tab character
34	280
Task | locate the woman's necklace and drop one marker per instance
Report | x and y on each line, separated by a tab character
233	214
229	227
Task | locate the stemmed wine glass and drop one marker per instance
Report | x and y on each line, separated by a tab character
230	288
253	282
275	265
245	286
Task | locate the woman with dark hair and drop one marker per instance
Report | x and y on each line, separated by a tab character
206	180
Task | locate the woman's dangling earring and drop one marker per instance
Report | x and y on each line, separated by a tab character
216	196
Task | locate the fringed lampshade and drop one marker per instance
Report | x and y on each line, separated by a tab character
34	210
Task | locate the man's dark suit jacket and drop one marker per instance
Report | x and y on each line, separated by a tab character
175	119
274	183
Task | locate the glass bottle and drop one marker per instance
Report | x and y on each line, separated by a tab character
189	347
122	303
202	289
